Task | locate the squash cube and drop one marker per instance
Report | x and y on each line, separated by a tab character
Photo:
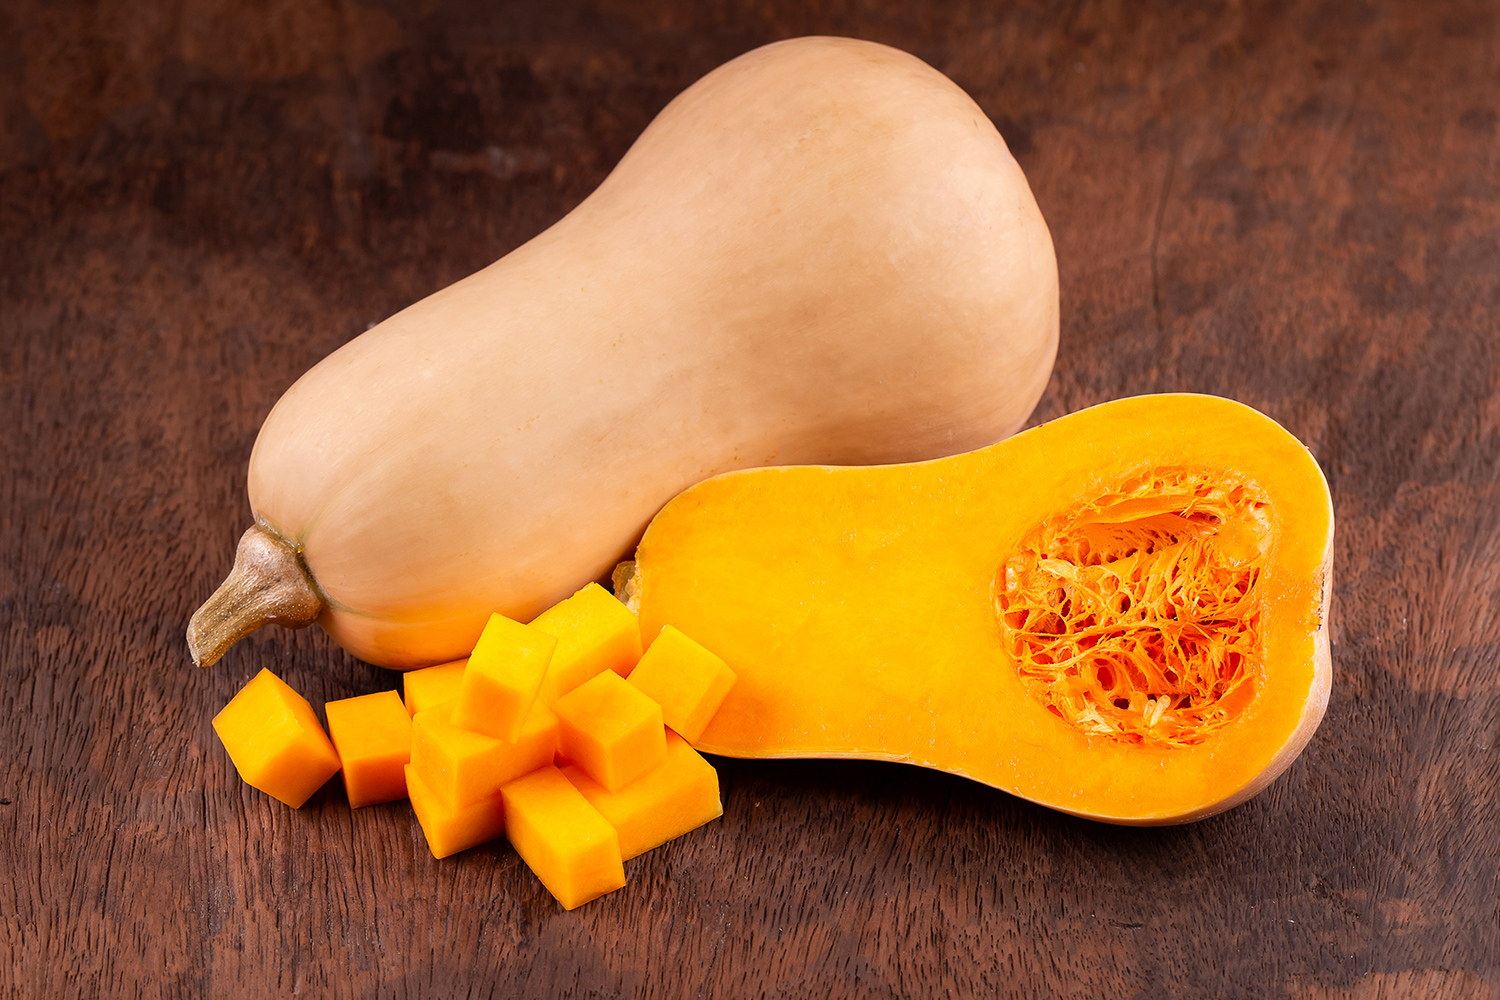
686	680
274	738
611	730
564	840
595	632
372	734
462	767
449	831
501	679
680	795
431	686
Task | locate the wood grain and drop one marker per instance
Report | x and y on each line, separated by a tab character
1294	204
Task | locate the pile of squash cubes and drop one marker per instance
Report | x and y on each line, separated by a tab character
559	735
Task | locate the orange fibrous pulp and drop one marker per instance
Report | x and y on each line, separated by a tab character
1134	615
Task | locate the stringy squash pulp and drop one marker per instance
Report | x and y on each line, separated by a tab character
1120	614
1136	615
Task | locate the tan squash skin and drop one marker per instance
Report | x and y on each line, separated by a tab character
821	252
859	609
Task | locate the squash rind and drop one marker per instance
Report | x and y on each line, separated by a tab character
821	252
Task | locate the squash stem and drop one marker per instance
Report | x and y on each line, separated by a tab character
268	583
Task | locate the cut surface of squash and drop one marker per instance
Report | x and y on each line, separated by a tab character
1120	614
610	729
462	767
275	740
429	686
562	838
501	678
686	680
450	830
594	633
372	734
676	797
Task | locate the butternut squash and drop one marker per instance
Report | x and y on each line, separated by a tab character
1121	614
820	252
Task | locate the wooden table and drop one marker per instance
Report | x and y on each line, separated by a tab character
1293	204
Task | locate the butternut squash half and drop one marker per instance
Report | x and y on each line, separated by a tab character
820	252
1121	614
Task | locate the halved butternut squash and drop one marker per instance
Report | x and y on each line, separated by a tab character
1121	614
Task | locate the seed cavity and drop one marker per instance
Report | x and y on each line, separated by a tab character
1134	616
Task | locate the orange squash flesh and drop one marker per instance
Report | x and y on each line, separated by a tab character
686	680
275	740
594	632
431	686
676	797
449	830
610	729
501	679
562	838
372	734
895	612
461	767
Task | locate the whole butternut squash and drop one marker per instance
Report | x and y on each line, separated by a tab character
820	252
1121	614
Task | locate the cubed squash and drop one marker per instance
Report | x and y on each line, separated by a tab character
686	680
501	679
372	734
431	686
594	632
449	831
611	730
566	842
679	795
462	767
274	738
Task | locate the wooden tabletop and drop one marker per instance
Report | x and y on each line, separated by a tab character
1294	204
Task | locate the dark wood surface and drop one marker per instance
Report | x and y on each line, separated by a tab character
1296	204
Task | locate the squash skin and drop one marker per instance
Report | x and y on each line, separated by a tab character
821	252
857	607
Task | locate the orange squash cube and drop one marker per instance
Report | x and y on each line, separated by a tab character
610	730
372	734
686	680
422	689
449	831
564	840
462	767
680	795
274	738
501	679
595	632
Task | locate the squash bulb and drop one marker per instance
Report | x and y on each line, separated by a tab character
1121	614
821	252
